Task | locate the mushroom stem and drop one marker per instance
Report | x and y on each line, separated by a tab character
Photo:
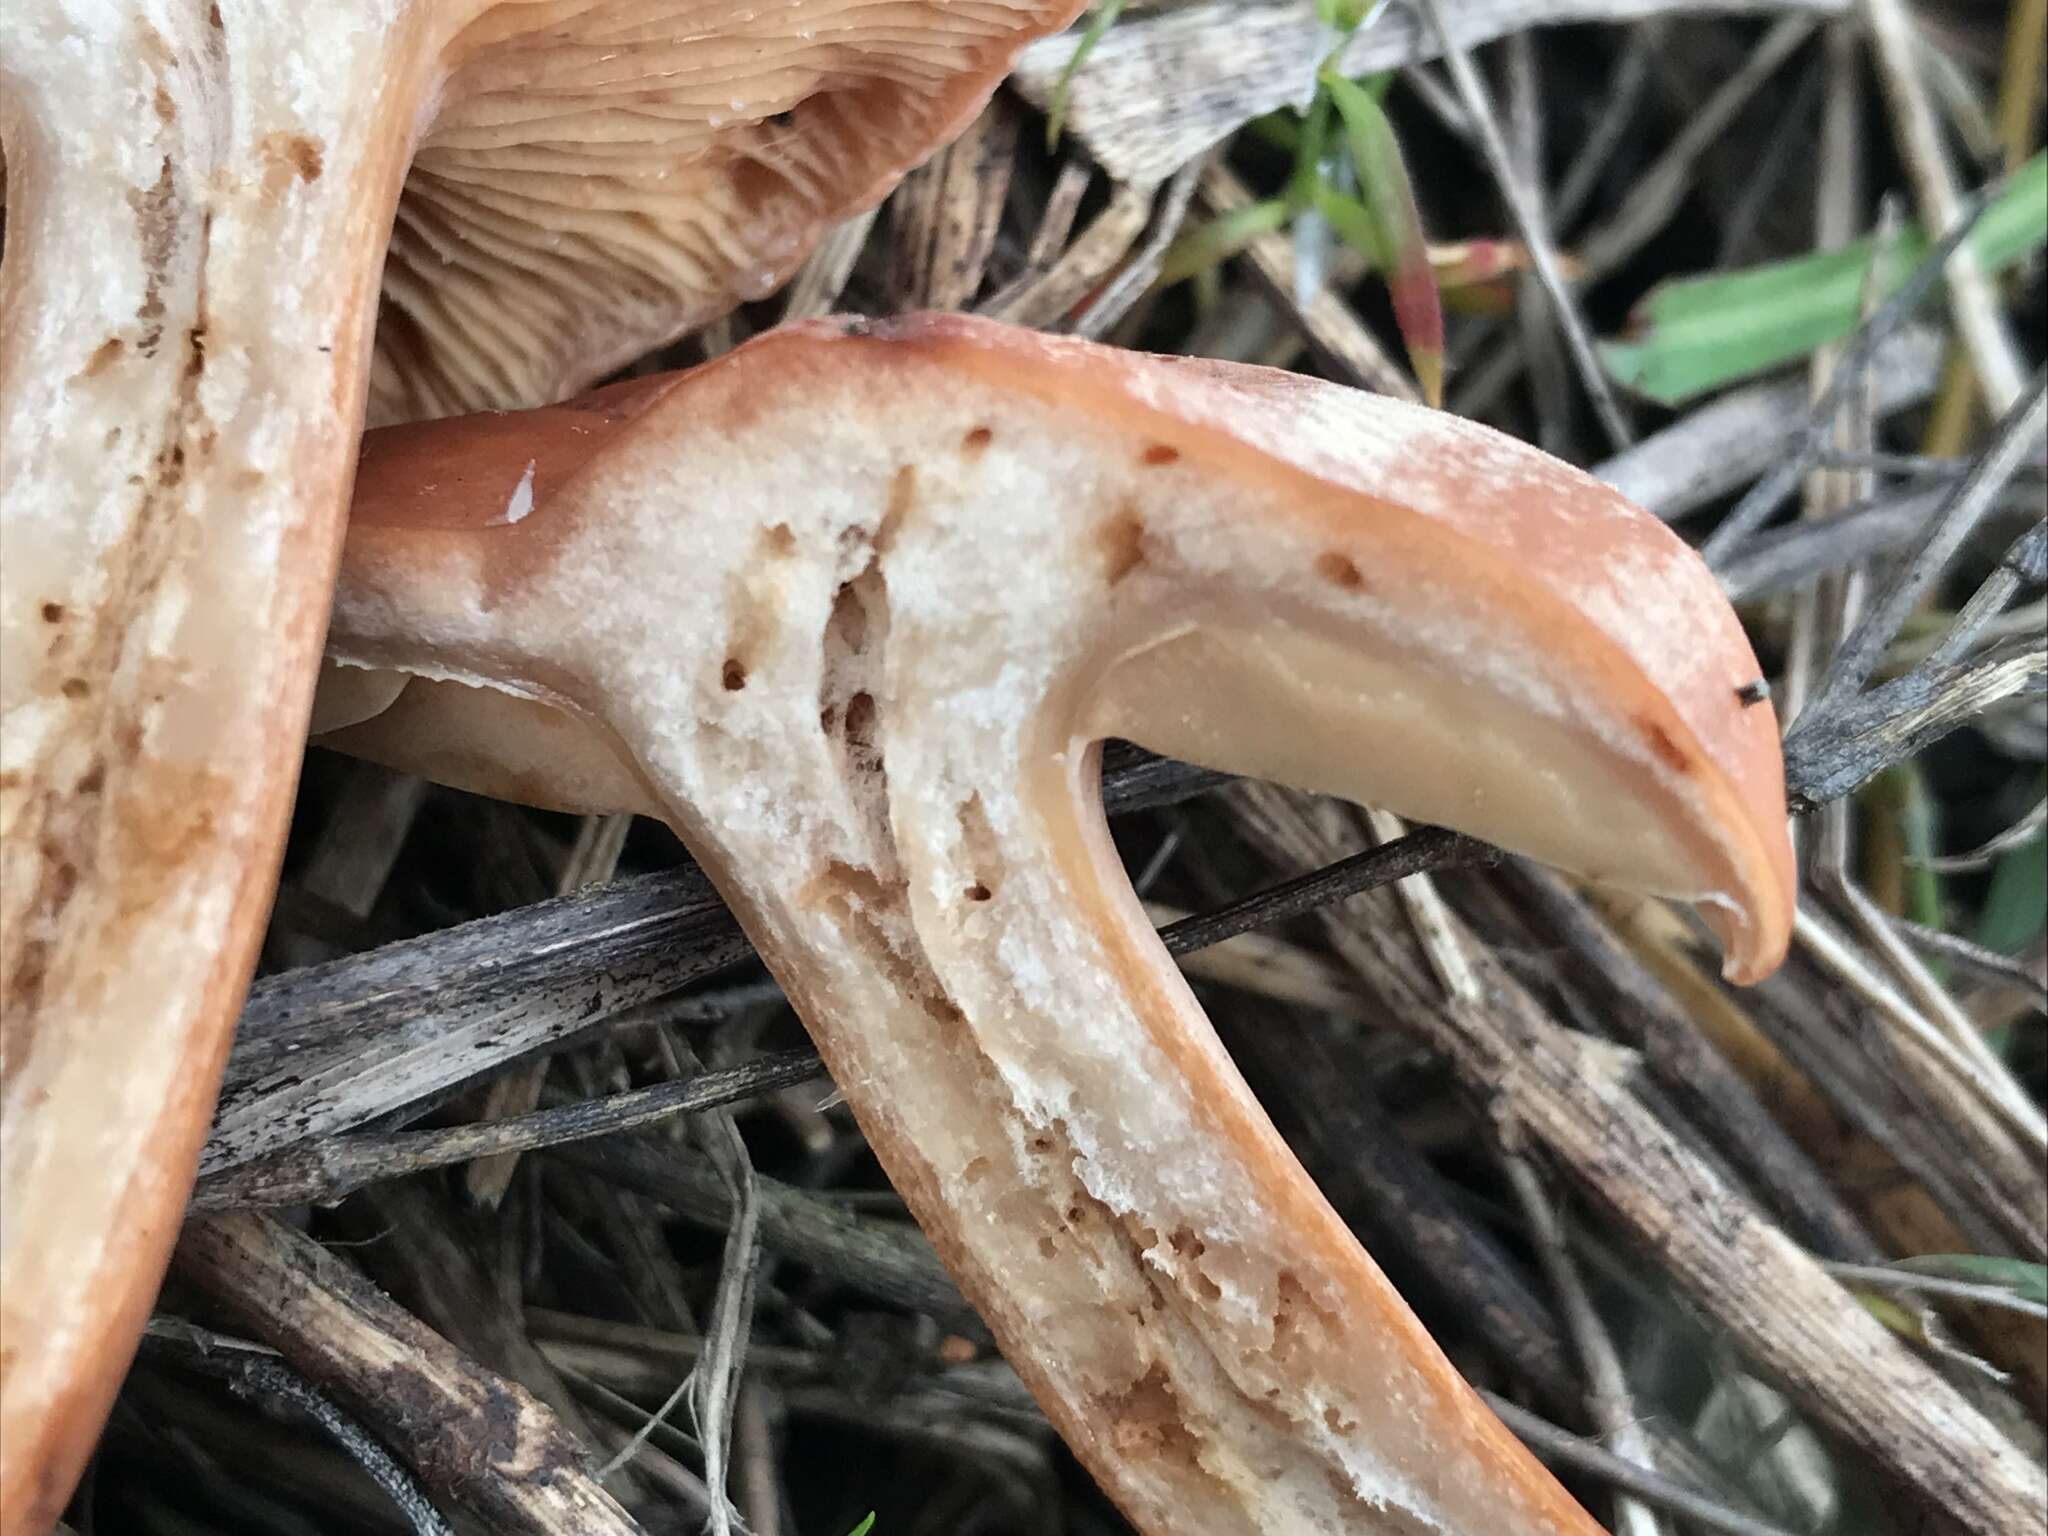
186	329
200	198
857	604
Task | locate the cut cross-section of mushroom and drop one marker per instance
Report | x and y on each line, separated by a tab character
853	607
199	199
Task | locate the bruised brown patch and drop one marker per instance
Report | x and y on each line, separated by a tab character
1340	571
1146	1419
866	907
1667	751
902	502
103	357
858	723
1122	542
157	826
156	234
289	155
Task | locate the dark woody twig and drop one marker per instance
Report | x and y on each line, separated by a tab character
1570	1450
1987	963
477	1440
262	1379
1430	848
1856	741
322	1172
605	941
1966	506
1698	1076
888	1261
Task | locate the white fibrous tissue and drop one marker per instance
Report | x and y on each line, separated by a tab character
521	501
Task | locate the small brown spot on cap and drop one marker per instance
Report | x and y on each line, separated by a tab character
53	613
1122	542
1339	571
975	441
734	675
1668	751
1161	453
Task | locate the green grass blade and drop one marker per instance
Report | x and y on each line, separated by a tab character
1309	145
1388	199
1208	245
1100	20
1697	334
2027	1281
2016	906
1921	825
1354	224
2015	912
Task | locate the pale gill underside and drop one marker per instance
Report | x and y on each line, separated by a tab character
579	199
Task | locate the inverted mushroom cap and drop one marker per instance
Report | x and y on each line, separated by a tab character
601	176
852	608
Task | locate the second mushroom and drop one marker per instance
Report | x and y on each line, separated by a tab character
853	609
199	201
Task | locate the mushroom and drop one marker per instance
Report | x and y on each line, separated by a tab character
853	607
198	200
